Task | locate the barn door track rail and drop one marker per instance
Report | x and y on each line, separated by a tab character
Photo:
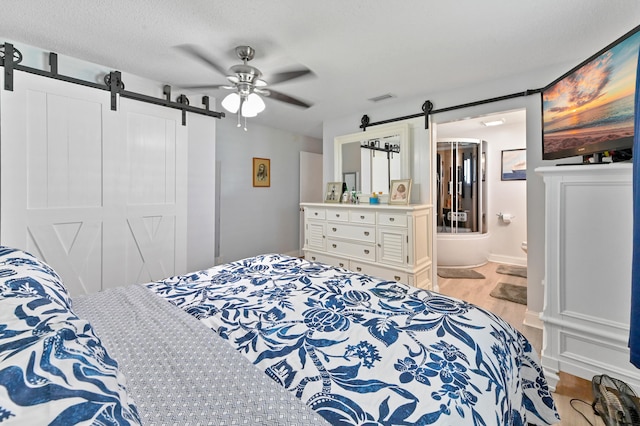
427	109
10	59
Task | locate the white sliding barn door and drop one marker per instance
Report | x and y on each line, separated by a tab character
152	190
79	183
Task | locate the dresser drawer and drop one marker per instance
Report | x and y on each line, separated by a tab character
315	213
392	219
352	232
326	259
356	216
337	215
349	249
375	271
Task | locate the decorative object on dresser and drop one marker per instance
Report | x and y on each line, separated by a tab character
334	192
261	172
400	191
390	242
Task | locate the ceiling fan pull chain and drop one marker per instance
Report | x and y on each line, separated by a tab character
240	112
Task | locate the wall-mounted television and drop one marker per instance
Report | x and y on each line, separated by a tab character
590	109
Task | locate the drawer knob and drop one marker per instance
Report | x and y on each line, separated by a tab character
366	233
334	229
334	245
366	251
315	213
313	258
391	219
337	214
397	278
359	269
362	217
341	264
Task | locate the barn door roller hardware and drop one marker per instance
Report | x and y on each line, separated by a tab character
10	59
427	108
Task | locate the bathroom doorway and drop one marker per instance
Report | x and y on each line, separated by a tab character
498	240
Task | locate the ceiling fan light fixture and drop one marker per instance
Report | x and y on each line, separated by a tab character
231	102
253	106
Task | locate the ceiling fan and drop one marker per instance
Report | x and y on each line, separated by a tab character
247	83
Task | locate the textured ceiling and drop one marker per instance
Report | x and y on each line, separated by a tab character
358	49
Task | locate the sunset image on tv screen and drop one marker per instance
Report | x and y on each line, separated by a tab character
594	104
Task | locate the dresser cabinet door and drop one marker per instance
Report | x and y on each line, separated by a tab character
392	246
316	235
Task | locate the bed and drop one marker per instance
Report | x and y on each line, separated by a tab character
267	340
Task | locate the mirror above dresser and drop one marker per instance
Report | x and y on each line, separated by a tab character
369	160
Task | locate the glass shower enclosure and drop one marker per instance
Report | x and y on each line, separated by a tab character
460	185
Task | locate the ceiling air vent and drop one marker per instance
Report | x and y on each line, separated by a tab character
382	97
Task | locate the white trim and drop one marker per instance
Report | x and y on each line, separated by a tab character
532	319
507	260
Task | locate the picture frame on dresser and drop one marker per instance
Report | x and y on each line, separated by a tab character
400	191
333	193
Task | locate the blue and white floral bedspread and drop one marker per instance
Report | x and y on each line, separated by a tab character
53	367
360	350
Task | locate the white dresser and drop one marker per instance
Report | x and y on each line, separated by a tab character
386	241
588	272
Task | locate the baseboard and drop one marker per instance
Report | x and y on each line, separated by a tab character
509	260
532	319
295	253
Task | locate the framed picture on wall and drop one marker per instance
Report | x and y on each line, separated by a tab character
514	164
400	191
334	192
261	172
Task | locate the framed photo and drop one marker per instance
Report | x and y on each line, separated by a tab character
514	164
400	191
261	172
334	192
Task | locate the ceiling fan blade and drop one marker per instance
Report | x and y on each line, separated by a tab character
208	86
199	54
288	75
288	99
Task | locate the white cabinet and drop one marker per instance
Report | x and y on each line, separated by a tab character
588	220
387	241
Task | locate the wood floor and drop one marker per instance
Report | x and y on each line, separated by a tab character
477	292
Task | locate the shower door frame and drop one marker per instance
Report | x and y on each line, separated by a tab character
455	186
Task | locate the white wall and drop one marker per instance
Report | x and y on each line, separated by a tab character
502	196
259	220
